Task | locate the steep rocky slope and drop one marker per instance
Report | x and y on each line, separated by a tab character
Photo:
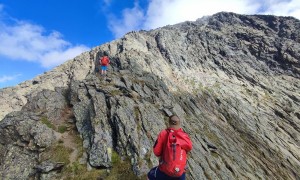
234	80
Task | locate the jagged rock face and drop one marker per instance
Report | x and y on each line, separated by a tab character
13	99
232	79
22	136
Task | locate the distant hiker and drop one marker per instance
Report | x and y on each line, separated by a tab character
171	146
104	62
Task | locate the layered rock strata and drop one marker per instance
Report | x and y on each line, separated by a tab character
232	79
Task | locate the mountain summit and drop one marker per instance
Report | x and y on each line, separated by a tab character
234	80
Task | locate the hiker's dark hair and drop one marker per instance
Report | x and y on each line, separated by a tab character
173	115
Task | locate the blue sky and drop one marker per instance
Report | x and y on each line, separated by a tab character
37	35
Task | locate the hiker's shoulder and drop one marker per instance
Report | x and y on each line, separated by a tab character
163	132
180	131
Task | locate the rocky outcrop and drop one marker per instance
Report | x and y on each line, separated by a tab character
232	79
22	136
14	98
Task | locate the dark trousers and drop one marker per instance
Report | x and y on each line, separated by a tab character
156	174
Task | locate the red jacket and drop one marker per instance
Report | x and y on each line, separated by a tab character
182	137
104	61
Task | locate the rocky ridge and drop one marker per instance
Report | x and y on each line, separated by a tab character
232	79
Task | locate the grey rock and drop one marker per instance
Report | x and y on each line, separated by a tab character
51	103
232	79
17	163
22	136
47	166
14	98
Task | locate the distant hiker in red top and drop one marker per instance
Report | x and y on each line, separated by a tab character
104	62
171	146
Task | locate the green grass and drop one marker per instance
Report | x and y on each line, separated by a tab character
62	154
78	171
121	169
62	129
45	121
115	158
79	142
57	153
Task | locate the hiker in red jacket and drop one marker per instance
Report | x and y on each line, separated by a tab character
171	146
104	62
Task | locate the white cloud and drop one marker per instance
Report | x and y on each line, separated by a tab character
132	19
30	42
6	78
159	13
164	12
282	8
56	57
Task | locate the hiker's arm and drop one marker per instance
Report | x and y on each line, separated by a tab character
187	145
158	146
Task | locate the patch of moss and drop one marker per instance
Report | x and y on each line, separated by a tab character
62	154
78	141
45	121
121	169
57	153
115	158
136	112
115	92
214	154
78	171
62	129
